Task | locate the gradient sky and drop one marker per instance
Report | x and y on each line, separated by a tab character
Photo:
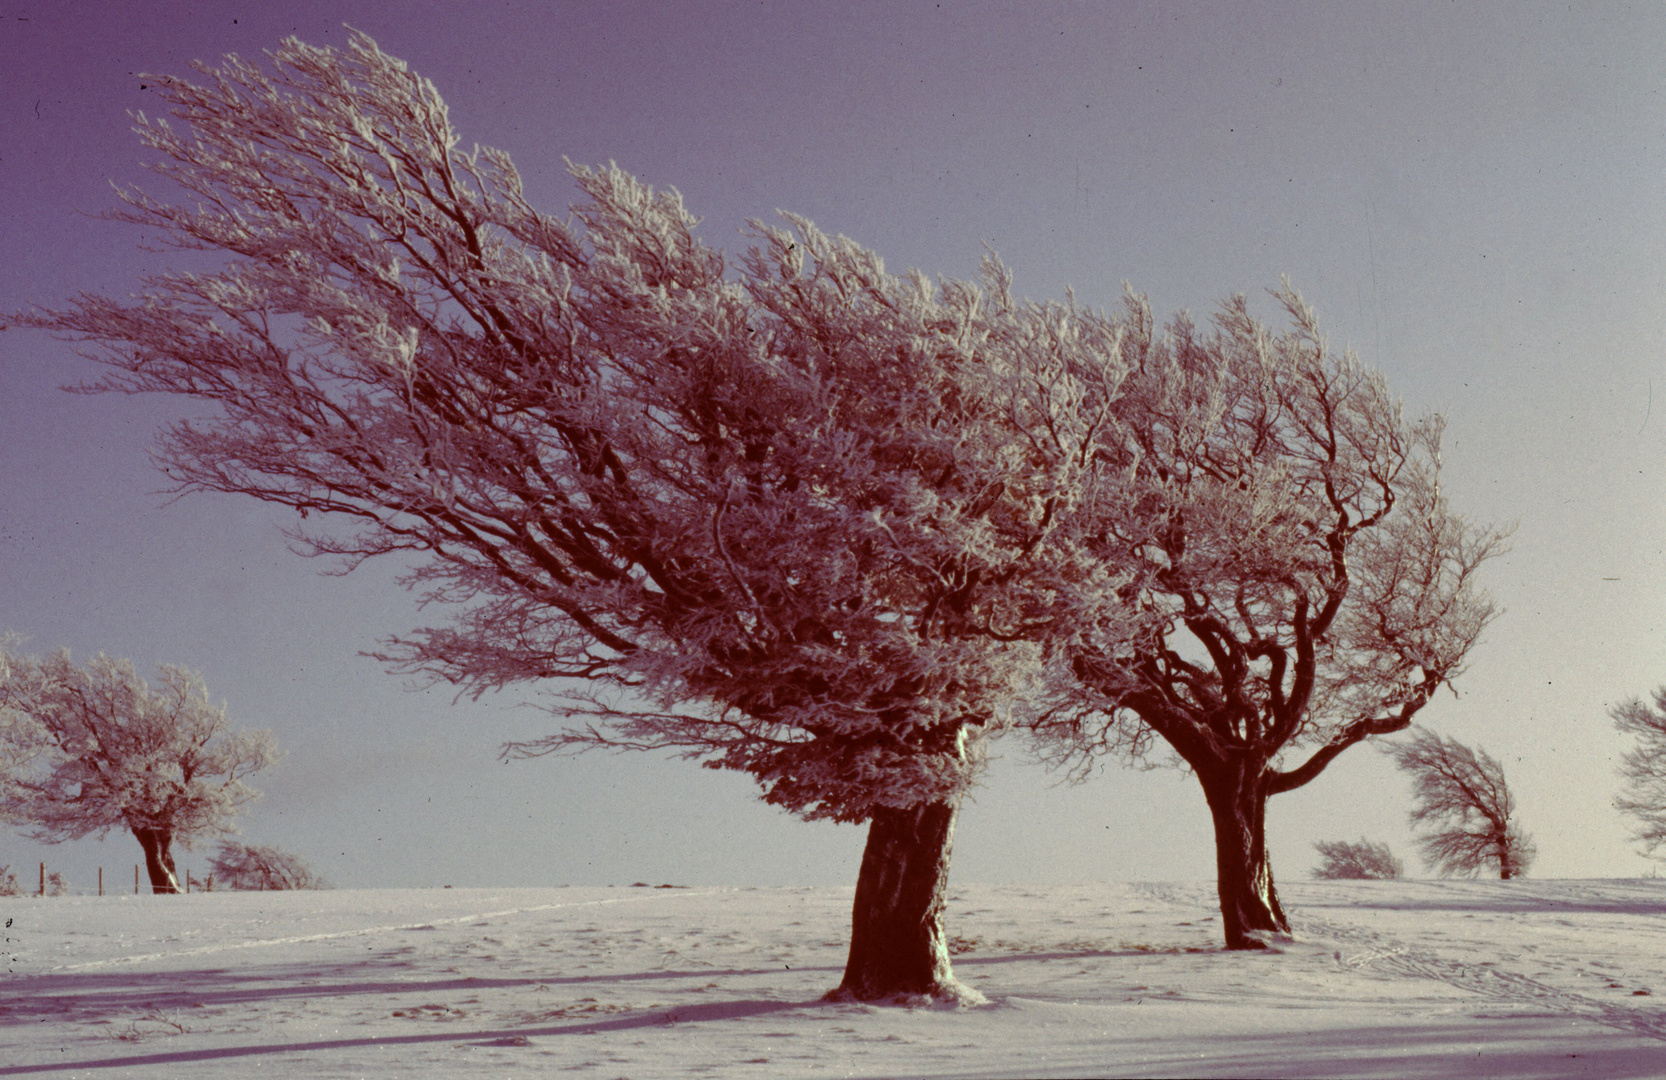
1471	196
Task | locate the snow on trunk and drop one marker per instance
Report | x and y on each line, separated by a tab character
897	945
159	859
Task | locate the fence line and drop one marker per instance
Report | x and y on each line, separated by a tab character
51	883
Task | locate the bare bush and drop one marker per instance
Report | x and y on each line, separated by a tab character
256	866
1345	860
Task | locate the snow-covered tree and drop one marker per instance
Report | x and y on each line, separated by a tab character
236	865
1295	581
1464	802
162	762
1347	860
1643	768
763	515
22	740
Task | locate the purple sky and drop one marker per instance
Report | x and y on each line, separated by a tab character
1472	197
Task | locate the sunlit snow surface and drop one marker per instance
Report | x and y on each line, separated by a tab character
1445	979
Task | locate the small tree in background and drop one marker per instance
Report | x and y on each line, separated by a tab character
1347	861
1643	768
114	752
1462	797
237	865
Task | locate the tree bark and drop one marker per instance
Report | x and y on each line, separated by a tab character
897	946
1237	796
159	859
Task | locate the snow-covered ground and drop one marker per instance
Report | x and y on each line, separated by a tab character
1416	978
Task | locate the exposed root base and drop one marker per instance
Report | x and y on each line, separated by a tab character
952	994
1270	940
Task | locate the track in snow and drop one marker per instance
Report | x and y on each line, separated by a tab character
1363	948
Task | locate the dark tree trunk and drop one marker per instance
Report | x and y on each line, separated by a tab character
1506	860
159	859
897	947
1250	911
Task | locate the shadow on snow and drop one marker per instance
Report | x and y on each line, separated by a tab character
716	1011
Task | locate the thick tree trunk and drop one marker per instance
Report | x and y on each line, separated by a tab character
159	859
1250	911
897	946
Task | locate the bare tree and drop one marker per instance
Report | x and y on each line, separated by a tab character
1462	797
1346	860
765	516
1643	768
1287	579
236	865
163	762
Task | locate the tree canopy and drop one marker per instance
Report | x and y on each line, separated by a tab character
772	498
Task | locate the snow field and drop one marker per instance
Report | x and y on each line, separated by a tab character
1411	978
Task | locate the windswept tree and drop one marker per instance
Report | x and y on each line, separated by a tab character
1643	768
1467	808
1345	860
162	762
1295	580
765	515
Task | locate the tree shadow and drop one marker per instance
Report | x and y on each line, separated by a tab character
688	1014
1520	896
968	960
1531	1051
32	998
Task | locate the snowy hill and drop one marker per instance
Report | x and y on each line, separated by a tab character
1413	978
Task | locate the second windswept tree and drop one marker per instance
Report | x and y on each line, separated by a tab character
763	516
1294	581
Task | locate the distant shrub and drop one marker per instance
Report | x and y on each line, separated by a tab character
9	887
1367	859
255	866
